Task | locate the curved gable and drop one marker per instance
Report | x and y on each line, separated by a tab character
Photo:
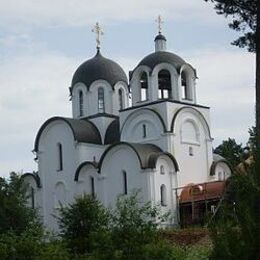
83	130
35	176
194	111
144	153
93	164
134	114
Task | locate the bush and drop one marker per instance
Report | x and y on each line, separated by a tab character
15	216
84	225
133	226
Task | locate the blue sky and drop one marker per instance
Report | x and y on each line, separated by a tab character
43	42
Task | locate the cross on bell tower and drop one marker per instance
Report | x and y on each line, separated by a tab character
159	21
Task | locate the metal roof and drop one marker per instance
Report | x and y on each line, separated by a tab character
99	68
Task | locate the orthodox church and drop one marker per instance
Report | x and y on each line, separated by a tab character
145	133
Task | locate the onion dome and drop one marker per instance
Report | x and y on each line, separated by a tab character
99	68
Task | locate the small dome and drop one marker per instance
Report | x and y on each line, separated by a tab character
160	37
158	57
99	68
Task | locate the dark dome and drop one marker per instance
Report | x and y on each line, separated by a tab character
158	57
99	68
160	37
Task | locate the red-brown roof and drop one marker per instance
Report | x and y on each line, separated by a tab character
202	191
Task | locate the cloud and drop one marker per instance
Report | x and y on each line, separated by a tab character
226	83
33	88
31	13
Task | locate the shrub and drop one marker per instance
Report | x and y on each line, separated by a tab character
84	225
133	226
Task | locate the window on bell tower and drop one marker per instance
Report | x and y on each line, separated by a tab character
164	84
184	85
101	100
144	86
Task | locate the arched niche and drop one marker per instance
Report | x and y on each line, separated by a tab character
190	132
143	119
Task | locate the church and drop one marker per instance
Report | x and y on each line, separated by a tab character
145	133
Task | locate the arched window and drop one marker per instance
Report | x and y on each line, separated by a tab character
92	186
120	99
163	195
162	170
184	85
32	195
124	182
80	103
60	157
101	100
144	86
164	84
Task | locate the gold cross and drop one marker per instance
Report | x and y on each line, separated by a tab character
98	31
160	22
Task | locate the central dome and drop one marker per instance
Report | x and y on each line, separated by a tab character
99	68
158	57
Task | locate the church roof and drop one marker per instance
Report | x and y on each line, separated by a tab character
202	191
217	159
146	153
82	129
158	57
113	133
99	68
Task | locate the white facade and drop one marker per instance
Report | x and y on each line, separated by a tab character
160	143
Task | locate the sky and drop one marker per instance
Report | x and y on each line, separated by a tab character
43	42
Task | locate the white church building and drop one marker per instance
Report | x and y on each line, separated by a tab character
145	133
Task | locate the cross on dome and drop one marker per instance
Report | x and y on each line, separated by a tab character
160	22
98	31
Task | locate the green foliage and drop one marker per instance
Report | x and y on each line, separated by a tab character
244	17
14	214
231	151
233	230
84	224
133	226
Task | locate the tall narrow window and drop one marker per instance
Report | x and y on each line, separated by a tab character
32	197
124	182
60	157
144	131
163	195
164	84
144	86
80	103
184	85
101	100
92	186
120	99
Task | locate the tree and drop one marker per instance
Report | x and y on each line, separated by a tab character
231	151
134	226
244	20
15	216
84	225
